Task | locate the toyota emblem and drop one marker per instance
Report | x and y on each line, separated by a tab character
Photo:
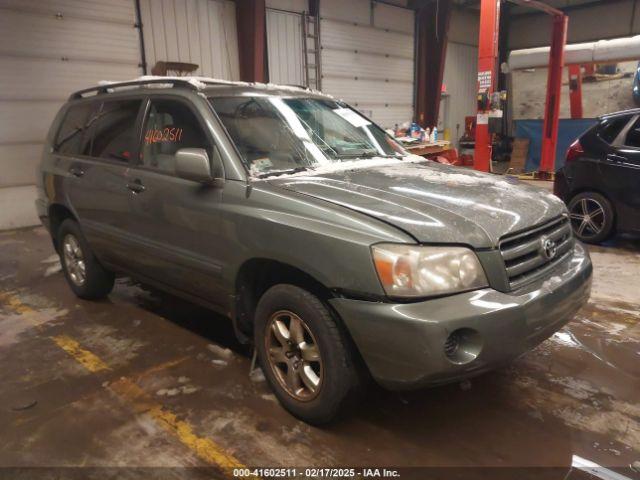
548	248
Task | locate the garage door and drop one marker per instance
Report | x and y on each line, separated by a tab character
202	32
47	50
368	57
285	47
461	79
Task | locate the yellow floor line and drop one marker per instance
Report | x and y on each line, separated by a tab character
141	402
15	304
84	357
206	449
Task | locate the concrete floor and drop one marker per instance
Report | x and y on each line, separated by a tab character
144	380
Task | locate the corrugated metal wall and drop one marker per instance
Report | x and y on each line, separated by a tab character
368	57
285	49
460	77
193	31
47	50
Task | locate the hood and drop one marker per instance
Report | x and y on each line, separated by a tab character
432	202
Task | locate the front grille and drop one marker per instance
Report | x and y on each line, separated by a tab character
524	253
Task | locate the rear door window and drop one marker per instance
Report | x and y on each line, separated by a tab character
170	126
113	130
71	133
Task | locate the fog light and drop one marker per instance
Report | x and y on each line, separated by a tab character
463	346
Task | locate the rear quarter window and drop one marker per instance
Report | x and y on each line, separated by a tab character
609	128
71	132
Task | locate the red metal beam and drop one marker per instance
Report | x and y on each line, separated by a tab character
554	85
575	90
539	6
487	77
251	27
433	32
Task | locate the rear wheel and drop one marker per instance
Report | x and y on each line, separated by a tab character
305	356
592	217
84	274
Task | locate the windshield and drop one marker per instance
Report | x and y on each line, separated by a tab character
279	135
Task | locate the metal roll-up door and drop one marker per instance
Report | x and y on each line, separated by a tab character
368	57
47	50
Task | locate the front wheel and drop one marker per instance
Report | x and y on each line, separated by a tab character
592	217
307	359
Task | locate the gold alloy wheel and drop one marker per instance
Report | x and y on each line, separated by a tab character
74	260
294	355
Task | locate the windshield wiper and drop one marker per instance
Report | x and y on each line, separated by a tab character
369	155
276	173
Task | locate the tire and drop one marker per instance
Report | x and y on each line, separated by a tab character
339	377
592	217
86	277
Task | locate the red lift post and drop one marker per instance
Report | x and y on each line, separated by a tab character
488	69
487	76
575	90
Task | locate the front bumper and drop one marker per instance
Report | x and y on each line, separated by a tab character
403	344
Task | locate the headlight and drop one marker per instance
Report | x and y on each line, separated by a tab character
417	271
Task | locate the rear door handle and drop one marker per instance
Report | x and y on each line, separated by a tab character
76	171
136	186
612	157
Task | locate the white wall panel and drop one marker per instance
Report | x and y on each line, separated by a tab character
369	92
22	160
192	31
297	6
464	27
460	77
285	50
349	64
344	36
358	11
388	117
393	18
21	78
17	207
119	11
25	34
30	125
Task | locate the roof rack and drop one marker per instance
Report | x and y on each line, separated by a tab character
175	82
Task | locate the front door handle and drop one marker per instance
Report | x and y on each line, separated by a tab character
136	186
76	171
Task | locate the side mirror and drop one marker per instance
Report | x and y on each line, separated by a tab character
193	164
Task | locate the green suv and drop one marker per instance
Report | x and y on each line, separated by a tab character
337	254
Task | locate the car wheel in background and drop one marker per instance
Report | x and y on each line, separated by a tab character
592	217
305	356
84	274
